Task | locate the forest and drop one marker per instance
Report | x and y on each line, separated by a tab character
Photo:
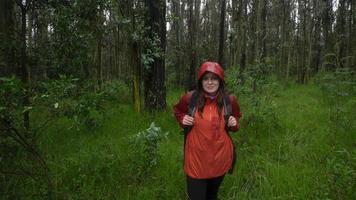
87	89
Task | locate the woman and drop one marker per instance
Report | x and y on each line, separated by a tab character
208	149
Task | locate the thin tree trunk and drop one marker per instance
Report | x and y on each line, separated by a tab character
236	30
243	3
7	31
263	37
222	34
341	31
253	34
353	33
98	61
24	71
349	39
192	49
136	67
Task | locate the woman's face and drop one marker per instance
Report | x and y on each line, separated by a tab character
210	83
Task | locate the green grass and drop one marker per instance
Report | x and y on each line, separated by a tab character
302	158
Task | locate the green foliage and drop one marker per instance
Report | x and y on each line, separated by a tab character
341	168
19	153
152	51
10	95
296	158
79	176
338	88
116	91
76	101
259	91
145	146
76	27
51	101
149	41
259	72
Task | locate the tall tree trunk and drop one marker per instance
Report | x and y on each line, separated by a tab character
136	66
284	24
176	27
98	61
263	48
349	36
155	89
222	33
43	41
235	32
341	32
353	33
182	39
327	21
192	48
24	71
7	31
316	38
253	34
243	3
137	77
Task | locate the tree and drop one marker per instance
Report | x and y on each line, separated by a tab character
341	32
24	6
243	4
192	27
155	90
353	31
263	35
7	32
222	33
175	43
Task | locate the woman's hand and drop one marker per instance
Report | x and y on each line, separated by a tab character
232	121
188	120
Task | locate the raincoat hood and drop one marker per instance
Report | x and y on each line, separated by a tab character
213	67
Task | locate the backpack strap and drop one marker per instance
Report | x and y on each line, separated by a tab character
191	109
227	114
227	109
192	103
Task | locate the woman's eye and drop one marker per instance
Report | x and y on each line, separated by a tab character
210	78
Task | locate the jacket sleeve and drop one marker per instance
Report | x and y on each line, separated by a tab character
235	112
181	108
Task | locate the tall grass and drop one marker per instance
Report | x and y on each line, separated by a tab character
287	148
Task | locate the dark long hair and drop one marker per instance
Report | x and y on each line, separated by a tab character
201	96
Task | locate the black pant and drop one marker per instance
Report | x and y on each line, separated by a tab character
203	189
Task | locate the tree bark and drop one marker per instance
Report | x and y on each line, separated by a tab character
263	48
177	40
136	66
155	89
235	32
243	3
24	71
7	31
192	48
341	33
222	34
353	33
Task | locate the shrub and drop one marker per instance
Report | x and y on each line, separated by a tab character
75	100
338	88
145	146
116	91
